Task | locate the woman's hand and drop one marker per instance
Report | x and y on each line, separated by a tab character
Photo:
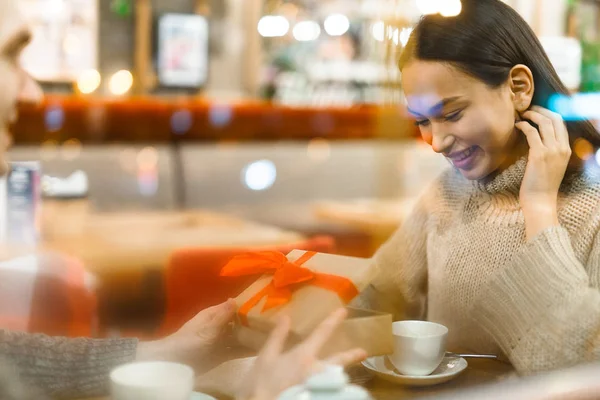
195	342
549	155
274	371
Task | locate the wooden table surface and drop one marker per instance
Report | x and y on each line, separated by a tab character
479	372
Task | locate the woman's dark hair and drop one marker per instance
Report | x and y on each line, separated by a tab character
485	41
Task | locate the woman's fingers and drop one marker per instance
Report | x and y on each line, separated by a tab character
545	127
533	136
276	342
348	357
560	129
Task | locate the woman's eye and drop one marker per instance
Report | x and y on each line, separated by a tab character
455	116
422	122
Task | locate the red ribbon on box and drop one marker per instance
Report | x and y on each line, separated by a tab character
287	276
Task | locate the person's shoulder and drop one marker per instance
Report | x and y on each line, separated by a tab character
579	200
582	185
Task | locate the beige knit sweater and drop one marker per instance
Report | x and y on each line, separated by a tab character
461	259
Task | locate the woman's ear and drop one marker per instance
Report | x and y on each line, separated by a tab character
520	81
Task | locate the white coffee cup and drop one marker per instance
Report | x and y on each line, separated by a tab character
155	380
419	347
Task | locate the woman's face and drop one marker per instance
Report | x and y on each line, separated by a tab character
461	117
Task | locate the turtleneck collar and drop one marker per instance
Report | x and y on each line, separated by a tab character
508	180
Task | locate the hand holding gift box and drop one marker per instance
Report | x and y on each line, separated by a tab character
307	287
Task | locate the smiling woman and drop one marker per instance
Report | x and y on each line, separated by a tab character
504	248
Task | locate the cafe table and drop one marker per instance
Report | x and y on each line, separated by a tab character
479	372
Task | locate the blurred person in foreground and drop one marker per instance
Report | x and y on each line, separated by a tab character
67	368
504	247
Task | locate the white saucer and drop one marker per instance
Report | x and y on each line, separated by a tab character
201	396
449	369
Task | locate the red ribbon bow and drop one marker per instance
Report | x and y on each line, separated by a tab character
287	276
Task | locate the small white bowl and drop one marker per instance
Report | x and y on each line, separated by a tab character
156	380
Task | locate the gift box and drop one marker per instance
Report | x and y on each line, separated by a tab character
307	287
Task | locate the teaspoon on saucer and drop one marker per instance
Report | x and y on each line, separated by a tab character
487	356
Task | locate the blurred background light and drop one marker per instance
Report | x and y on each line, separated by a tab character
220	115
378	31
121	82
259	175
54	118
306	31
181	121
450	8
405	35
577	106
89	81
273	26
336	24
583	149
447	8
427	7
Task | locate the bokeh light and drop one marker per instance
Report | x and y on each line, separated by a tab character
447	8
577	106
273	26
427	7
121	82
147	182
220	115
583	149
147	171
405	35
181	121
147	158
336	24
378	31
89	81
259	175
306	31
450	8
54	118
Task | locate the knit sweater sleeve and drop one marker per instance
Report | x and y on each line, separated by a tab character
542	309
399	287
65	367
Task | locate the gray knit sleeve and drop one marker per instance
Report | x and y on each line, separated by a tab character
65	367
